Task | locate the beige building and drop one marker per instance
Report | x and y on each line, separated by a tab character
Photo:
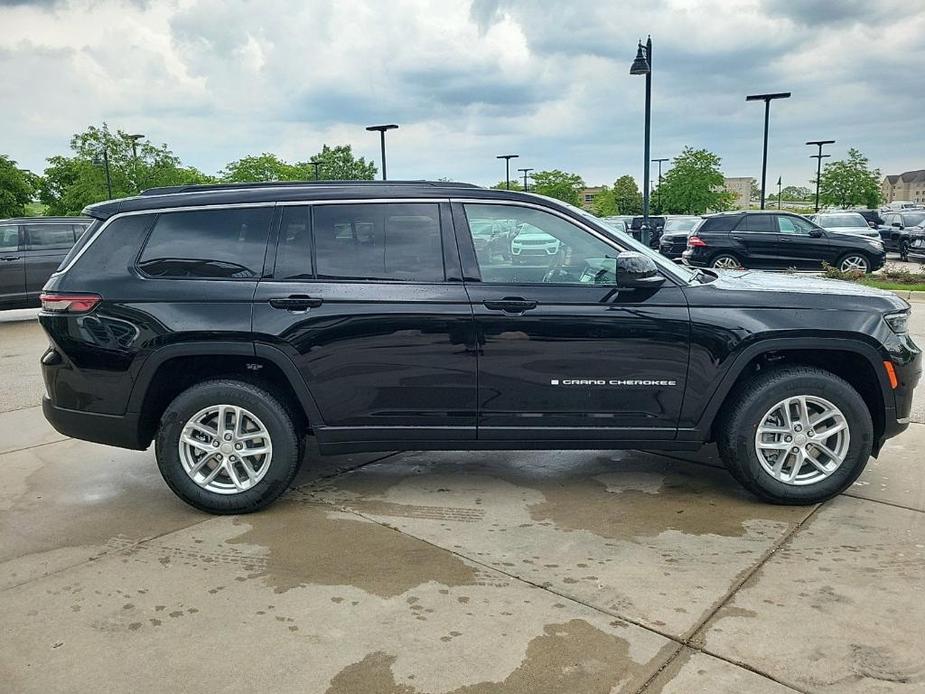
587	196
741	187
906	186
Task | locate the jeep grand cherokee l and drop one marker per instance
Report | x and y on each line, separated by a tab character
225	323
779	241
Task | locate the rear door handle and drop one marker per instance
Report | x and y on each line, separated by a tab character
296	302
510	304
11	258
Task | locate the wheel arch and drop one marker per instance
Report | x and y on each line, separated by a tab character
858	363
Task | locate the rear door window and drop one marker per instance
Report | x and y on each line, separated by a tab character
208	244
294	247
49	237
9	238
757	222
378	241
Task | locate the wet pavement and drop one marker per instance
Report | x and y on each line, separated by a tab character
577	571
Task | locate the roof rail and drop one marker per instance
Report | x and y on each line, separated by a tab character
206	187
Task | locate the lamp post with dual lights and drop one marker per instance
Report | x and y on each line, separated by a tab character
507	167
819	156
104	162
134	139
642	65
767	99
381	130
659	162
525	172
316	164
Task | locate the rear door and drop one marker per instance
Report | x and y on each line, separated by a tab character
46	246
12	268
799	248
757	235
367	300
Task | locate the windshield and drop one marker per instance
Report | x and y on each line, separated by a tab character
914	219
681	224
841	220
678	271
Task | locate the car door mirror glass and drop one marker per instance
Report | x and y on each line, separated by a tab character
638	271
816	233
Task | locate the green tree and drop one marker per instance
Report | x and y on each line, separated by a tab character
604	204
849	182
559	184
337	164
694	184
260	167
17	188
70	183
626	196
502	185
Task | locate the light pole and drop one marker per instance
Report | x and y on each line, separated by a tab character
134	139
507	167
642	65
105	163
659	161
381	130
316	164
767	99
779	191
525	172
819	156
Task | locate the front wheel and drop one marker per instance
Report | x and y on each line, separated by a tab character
227	446
796	435
854	262
726	262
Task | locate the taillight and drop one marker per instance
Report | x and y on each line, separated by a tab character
69	303
695	242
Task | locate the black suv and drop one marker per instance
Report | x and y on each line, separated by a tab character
778	240
30	250
225	323
904	231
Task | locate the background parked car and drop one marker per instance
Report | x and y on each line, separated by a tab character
778	240
533	245
673	240
31	248
656	224
846	222
874	220
906	231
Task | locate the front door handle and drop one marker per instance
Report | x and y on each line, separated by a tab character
296	302
11	258
510	304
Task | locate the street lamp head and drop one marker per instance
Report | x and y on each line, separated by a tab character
382	128
507	156
821	142
136	137
768	97
641	65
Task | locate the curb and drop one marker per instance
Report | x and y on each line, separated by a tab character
911	297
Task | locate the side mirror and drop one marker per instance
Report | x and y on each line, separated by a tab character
637	271
872	225
897	225
816	233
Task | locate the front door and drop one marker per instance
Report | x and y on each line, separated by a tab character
367	301
563	353
799	248
12	273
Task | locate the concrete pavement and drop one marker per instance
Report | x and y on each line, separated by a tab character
589	571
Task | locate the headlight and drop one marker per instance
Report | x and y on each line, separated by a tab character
898	322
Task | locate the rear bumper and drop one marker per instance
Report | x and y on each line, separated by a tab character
113	430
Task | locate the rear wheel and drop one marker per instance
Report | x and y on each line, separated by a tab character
227	447
726	261
796	435
854	262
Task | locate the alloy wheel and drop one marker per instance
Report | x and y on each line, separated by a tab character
225	449
854	262
802	440
726	262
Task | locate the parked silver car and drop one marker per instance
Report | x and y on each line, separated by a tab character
845	222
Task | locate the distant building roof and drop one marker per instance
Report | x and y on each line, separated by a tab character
907	177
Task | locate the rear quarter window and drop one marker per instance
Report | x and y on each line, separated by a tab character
724	223
207	244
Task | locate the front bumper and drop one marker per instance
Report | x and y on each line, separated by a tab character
113	430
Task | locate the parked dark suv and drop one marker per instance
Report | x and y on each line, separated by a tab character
30	250
778	240
225	323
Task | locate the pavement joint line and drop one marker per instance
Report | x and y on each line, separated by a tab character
680	641
661	668
881	501
36	445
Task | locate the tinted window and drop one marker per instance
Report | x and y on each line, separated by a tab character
757	222
391	241
9	238
840	220
48	237
537	247
914	219
82	239
208	244
722	223
294	248
794	225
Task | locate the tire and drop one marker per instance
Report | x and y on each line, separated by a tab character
269	426
904	250
854	261
723	262
745	410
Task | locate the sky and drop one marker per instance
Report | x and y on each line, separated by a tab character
468	80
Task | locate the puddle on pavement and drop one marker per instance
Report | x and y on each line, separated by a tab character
570	657
305	546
